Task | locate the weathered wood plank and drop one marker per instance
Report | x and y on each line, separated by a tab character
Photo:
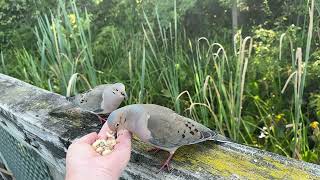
24	113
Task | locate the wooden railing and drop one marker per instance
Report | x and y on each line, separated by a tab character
29	134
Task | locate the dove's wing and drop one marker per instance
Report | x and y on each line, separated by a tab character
91	100
170	130
169	134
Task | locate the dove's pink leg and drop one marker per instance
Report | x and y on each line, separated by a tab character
154	150
101	120
167	163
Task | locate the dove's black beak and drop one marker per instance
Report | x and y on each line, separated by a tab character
125	96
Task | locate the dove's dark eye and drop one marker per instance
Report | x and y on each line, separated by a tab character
117	124
117	90
122	93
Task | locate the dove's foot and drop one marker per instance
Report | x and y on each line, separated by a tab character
154	150
166	164
102	120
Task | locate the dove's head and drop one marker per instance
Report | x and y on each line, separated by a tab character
119	90
116	119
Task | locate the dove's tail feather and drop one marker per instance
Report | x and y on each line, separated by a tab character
217	137
61	109
73	112
58	112
70	98
220	138
66	110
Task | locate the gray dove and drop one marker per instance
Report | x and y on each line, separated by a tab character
161	127
100	100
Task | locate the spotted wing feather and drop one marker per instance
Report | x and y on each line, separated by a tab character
91	100
171	131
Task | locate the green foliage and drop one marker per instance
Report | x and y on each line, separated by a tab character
17	18
107	46
64	48
315	104
11	14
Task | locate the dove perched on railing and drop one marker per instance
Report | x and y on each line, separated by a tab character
161	127
100	100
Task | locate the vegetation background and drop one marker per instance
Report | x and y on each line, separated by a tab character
249	69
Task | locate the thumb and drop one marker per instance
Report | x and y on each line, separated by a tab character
122	150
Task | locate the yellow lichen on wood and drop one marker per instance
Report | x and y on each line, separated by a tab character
286	171
223	163
219	162
207	157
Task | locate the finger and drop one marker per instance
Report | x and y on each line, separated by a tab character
103	131
123	139
122	150
88	139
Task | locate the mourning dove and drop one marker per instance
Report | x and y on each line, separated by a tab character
100	100
161	127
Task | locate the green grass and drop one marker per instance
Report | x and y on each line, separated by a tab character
64	45
199	78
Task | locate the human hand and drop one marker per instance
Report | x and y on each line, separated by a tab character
83	162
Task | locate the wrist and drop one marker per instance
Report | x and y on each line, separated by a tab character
96	175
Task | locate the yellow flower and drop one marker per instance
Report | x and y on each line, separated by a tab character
314	124
256	98
72	18
97	1
279	117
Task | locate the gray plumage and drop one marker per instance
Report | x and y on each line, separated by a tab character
102	99
161	126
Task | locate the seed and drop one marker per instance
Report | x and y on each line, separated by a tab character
111	142
106	152
109	135
103	142
99	149
105	146
94	147
96	144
